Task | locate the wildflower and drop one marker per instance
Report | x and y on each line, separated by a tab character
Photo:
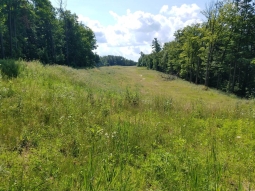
113	134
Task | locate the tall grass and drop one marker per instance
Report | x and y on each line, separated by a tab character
61	132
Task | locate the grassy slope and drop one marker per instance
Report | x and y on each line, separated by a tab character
121	128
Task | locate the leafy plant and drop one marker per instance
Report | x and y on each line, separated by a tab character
9	68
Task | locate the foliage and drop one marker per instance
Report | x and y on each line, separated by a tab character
9	68
111	60
217	53
35	30
155	45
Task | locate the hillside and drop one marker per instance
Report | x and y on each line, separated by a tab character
121	128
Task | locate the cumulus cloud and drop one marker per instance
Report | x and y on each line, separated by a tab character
185	11
164	9
134	31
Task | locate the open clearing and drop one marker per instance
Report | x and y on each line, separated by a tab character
121	128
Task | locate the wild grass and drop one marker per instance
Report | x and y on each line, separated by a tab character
121	128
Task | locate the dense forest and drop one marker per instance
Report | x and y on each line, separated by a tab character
218	53
35	30
111	60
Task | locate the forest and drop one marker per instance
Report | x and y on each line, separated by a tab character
35	30
218	53
112	60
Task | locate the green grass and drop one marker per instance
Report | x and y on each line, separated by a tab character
121	128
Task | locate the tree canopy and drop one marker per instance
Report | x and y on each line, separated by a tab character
35	30
111	60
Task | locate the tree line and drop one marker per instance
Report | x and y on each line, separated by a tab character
111	60
35	30
218	53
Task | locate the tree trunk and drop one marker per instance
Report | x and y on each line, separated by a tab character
190	70
244	84
190	74
239	74
208	67
52	46
67	48
218	81
197	71
14	27
234	77
229	78
207	75
10	28
2	46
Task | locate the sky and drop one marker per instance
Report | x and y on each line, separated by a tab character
127	27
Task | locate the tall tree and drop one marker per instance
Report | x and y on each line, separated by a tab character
156	47
213	28
63	17
45	20
2	28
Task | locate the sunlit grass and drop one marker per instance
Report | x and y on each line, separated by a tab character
121	128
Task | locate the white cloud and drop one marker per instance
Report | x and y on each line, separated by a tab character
164	9
185	11
134	31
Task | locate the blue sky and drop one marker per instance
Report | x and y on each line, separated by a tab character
127	27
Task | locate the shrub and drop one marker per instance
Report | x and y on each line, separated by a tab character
9	68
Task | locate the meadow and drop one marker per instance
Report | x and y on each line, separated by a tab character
121	128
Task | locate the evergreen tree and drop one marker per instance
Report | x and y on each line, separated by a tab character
33	30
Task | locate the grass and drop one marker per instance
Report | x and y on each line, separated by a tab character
121	128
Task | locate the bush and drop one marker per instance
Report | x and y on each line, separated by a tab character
9	68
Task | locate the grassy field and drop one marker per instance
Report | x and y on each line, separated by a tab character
121	128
